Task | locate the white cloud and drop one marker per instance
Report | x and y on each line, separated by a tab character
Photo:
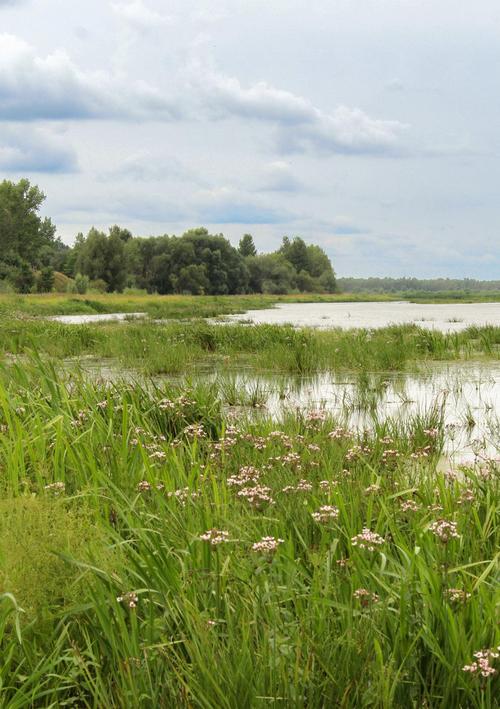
278	176
139	15
34	151
301	124
53	87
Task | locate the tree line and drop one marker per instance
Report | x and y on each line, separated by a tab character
32	258
415	285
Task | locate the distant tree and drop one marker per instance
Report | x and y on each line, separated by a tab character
23	278
295	251
246	246
45	280
277	273
22	231
124	234
81	283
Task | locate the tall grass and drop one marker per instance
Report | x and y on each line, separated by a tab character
133	476
177	347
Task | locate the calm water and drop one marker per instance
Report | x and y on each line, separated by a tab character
447	318
103	317
467	393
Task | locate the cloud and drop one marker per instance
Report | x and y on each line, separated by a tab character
225	205
53	87
301	125
34	151
10	3
139	16
278	177
143	166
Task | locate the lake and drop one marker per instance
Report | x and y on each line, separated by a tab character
449	317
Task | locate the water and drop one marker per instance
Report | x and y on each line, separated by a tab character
467	394
449	317
102	317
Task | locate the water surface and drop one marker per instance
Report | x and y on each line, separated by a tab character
449	317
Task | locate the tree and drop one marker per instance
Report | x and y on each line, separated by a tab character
295	252
45	281
246	246
22	231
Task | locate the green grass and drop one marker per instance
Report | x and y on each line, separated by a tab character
185	306
175	348
225	626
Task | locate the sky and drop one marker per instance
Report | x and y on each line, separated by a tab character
369	127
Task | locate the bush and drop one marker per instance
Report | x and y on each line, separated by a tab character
81	283
99	285
45	280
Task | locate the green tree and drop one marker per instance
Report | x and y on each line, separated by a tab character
45	281
246	246
295	252
23	232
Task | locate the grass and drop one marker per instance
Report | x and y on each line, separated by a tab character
184	306
175	348
118	601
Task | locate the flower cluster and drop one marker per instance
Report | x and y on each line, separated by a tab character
456	595
130	599
267	545
367	540
444	530
246	474
482	664
257	496
302	486
56	488
215	536
325	513
365	597
409	506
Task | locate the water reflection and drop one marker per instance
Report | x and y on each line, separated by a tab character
466	395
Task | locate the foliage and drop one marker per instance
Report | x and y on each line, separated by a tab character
356	598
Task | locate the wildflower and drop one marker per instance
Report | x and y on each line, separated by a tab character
102	404
325	513
182	495
215	536
56	487
315	416
372	488
456	595
339	433
144	486
195	430
343	562
444	530
130	599
302	486
267	545
367	540
450	476
246	474
257	495
409	506
326	485
158	455
482	665
365	597
466	496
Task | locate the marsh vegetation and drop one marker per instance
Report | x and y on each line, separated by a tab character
182	532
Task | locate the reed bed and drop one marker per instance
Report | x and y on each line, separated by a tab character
176	347
156	552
